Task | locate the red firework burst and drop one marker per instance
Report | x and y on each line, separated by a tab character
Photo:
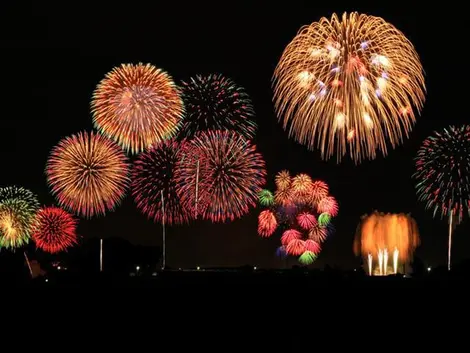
267	223
88	173
153	177
296	247
137	106
54	229
225	172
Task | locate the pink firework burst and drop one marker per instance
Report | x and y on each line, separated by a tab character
313	246
290	235
328	205
306	220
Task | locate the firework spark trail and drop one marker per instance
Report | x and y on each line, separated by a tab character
396	254
349	84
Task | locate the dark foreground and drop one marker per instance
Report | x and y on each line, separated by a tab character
261	279
245	310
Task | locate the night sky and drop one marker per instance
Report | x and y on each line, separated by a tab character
52	57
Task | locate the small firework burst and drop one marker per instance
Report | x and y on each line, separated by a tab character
54	229
18	207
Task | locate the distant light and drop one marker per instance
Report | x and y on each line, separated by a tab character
47	280
254	268
137	268
179	269
198	268
154	274
58	267
354	270
429	269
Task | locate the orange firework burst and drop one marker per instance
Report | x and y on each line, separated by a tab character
348	84
88	173
383	237
137	106
267	223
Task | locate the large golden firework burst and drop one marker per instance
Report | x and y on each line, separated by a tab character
137	106
349	84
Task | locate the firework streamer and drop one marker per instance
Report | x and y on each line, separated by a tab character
28	263
163	233
101	255
449	247
197	189
396	253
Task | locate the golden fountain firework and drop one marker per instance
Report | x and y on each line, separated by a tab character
381	238
349	84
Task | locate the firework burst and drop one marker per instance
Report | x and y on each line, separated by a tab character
54	230
88	173
214	102
349	84
18	207
382	238
153	173
443	175
227	171
304	209
137	106
443	172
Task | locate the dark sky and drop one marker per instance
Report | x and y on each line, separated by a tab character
52	56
